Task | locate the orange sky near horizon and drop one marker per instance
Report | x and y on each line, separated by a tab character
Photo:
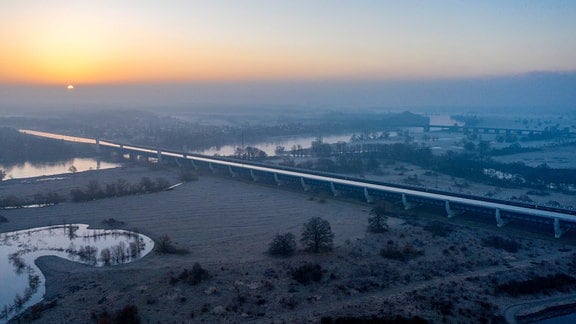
124	41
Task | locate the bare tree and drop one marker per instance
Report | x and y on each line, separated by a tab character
317	235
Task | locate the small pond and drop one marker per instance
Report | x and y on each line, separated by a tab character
22	284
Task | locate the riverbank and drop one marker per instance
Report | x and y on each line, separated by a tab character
226	225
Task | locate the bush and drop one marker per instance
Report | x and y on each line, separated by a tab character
508	245
11	201
439	229
187	175
282	245
112	222
306	273
3	219
394	252
127	315
164	245
317	235
377	223
194	276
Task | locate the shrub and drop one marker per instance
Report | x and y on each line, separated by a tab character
194	276
164	245
377	223
3	219
306	273
187	175
112	222
394	252
508	245
78	195
317	235
11	201
439	229
127	315
283	245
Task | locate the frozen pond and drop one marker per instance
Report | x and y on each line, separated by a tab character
22	284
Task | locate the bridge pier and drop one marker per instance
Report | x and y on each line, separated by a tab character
97	145
211	167
304	185
159	156
232	173
278	181
500	222
557	230
254	177
407	205
369	198
449	212
335	192
193	164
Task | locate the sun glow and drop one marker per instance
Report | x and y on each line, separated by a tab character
70	87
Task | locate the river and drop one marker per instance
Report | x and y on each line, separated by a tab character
30	170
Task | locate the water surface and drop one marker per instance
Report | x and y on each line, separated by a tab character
30	170
22	284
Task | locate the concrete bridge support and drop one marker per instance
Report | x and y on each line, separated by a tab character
278	181
193	164
159	156
369	198
254	177
449	212
304	185
407	205
211	167
97	145
232	173
557	230
335	192
500	222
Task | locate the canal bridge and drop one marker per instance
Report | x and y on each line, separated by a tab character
500	130
453	204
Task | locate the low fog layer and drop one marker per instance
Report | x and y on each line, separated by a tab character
528	91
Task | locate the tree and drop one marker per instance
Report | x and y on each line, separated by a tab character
317	235
250	153
377	222
2	174
282	245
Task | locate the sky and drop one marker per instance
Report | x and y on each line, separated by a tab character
173	41
335	53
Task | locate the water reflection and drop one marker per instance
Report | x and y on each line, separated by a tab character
22	283
269	147
29	170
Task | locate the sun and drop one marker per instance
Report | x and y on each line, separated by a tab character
70	87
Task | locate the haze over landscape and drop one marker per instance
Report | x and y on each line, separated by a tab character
365	53
287	161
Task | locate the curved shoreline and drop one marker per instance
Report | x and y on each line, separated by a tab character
540	309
